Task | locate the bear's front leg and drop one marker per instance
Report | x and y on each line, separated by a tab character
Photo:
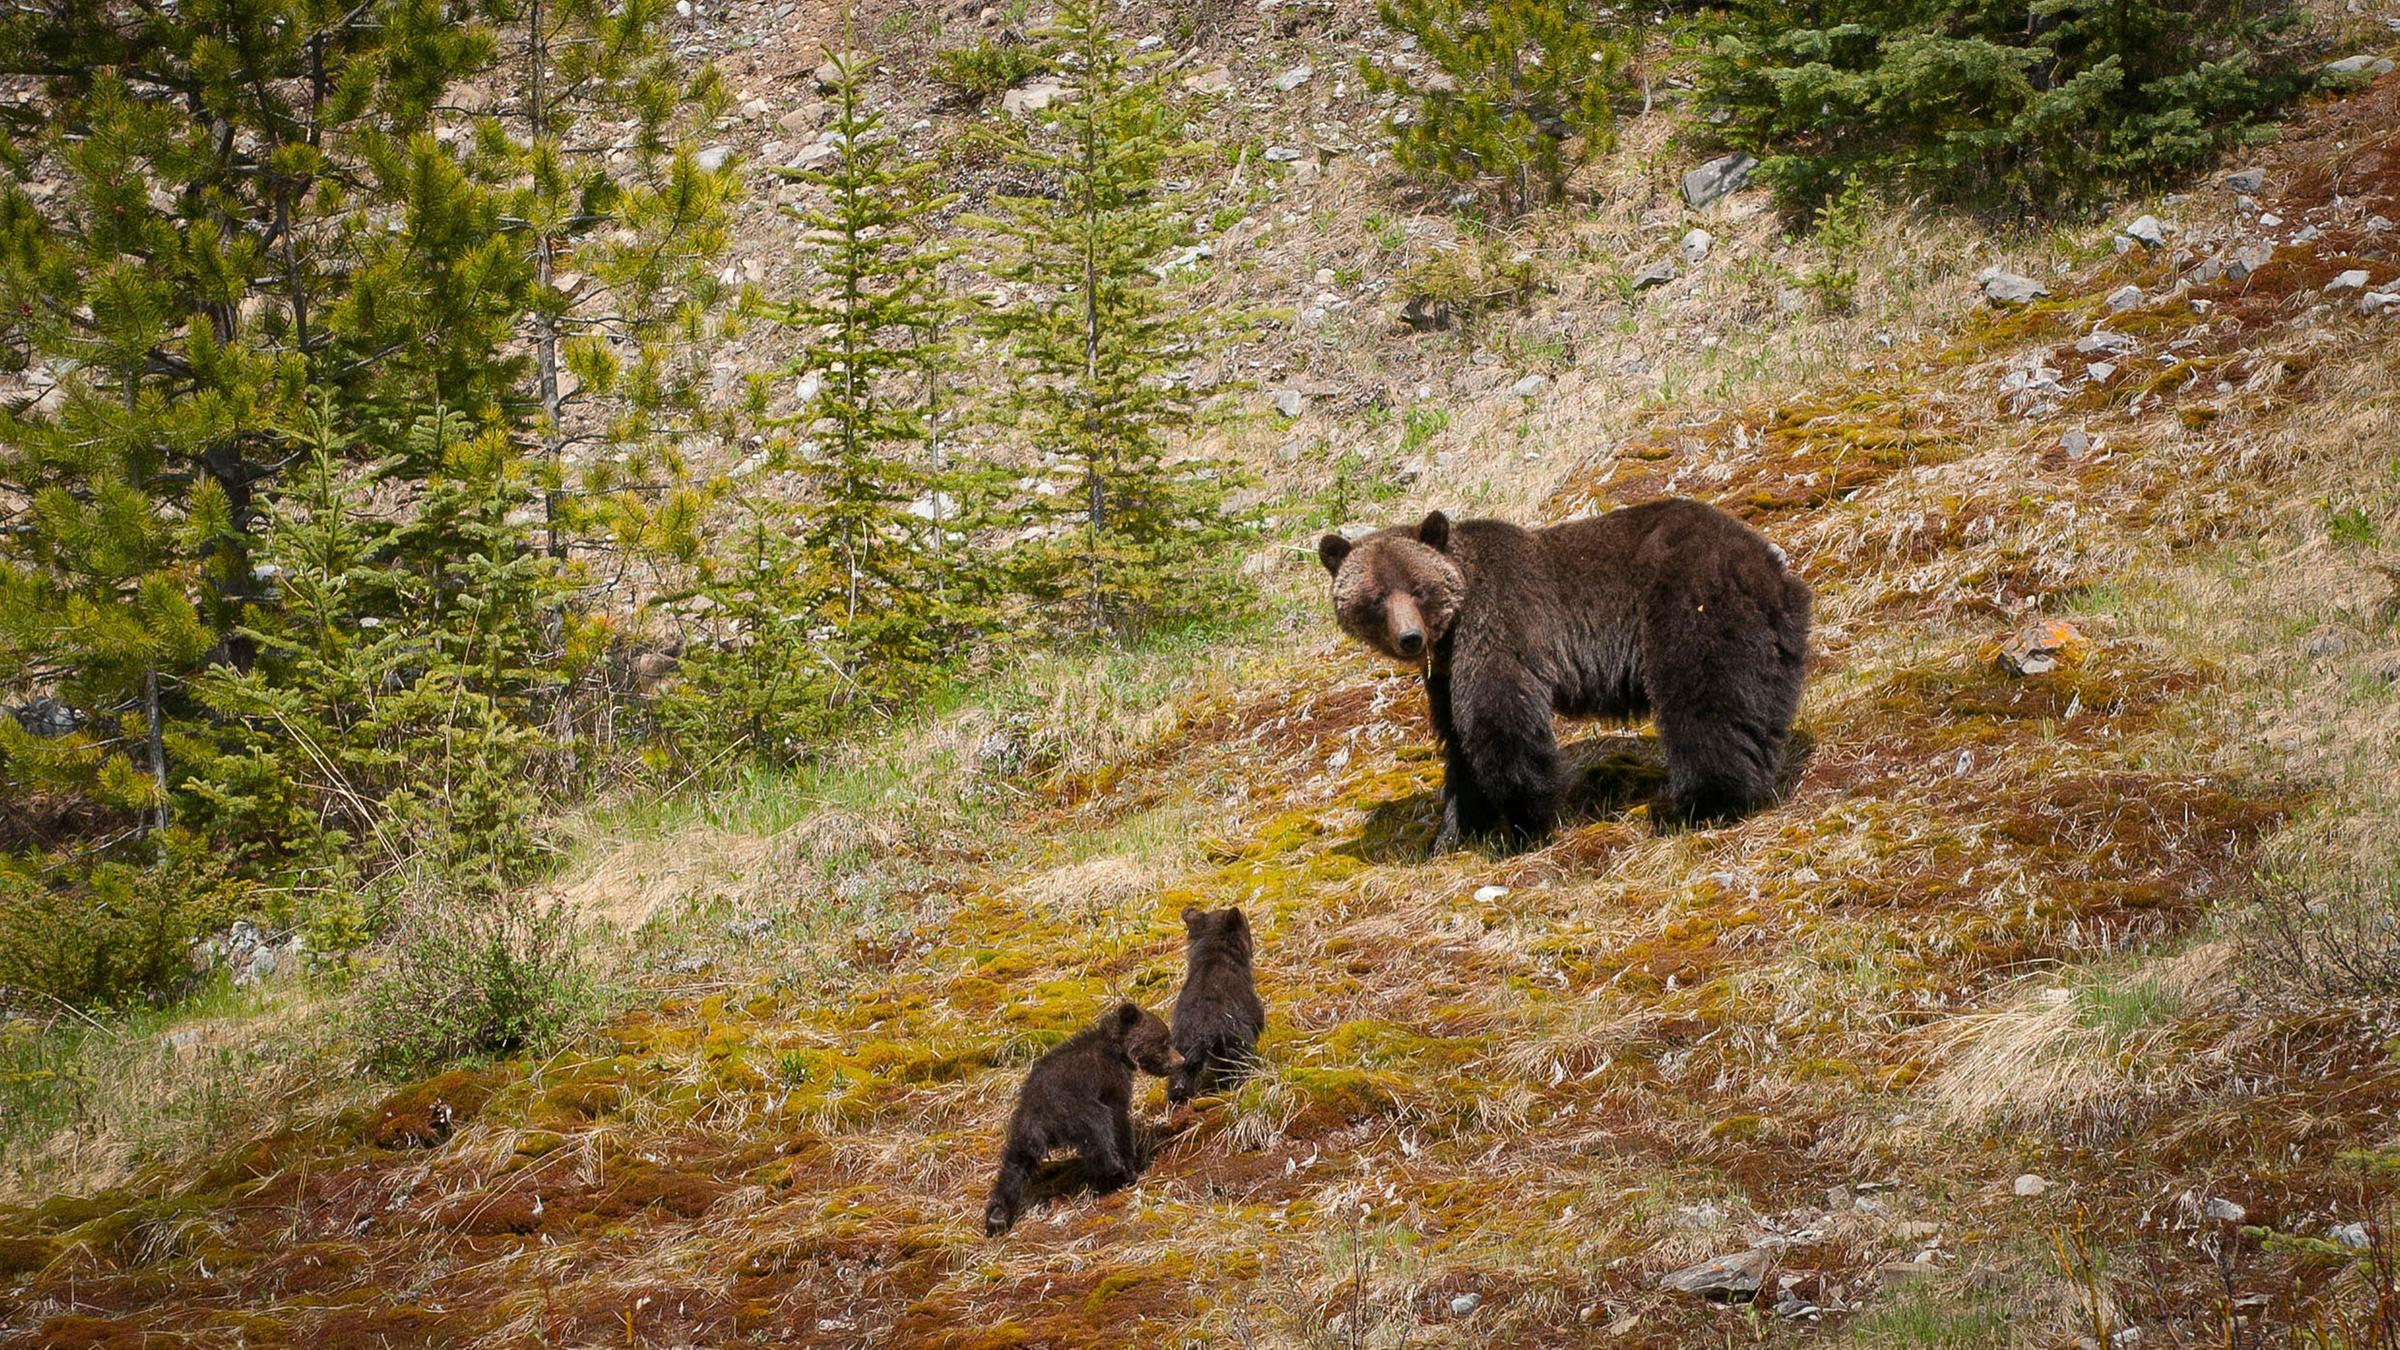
1465	809
1511	752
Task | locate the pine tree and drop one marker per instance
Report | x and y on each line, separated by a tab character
1523	99
1128	538
2012	104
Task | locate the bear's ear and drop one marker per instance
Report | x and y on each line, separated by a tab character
1193	920
1129	1015
1434	531
1235	923
1331	550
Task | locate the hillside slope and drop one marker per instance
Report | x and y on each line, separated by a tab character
1967	1037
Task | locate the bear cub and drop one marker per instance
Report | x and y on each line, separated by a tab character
1217	1015
1079	1097
1671	609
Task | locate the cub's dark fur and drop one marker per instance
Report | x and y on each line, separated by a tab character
1672	609
1217	1015
1079	1097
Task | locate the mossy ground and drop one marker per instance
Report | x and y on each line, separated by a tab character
1975	942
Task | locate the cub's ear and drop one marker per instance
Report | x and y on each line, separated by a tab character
1235	923
1193	920
1128	1015
1434	531
1331	550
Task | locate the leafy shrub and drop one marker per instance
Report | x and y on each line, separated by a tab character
1517	99
85	930
2006	103
1465	281
2331	926
976	73
463	978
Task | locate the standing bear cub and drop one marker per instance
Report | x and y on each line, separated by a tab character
1672	609
1079	1097
1217	1017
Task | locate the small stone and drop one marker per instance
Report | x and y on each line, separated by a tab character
1485	895
2029	1185
2249	258
2105	343
2100	371
2352	1235
2352	280
755	109
2377	302
1031	98
2038	649
1695	246
1464	1304
1293	78
713	158
2124	298
1656	274
2361	65
828	73
1290	402
2224	1210
2075	443
2147	232
1530	387
1916	1230
2008	289
2326	642
2246	180
2270	220
1281	154
1216	81
1730	1279
1724	174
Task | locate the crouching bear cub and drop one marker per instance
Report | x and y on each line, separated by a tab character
1079	1097
1671	608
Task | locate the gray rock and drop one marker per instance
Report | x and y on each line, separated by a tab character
2100	371
1293	78
714	158
47	718
2105	343
1724	174
2327	643
2029	1185
1656	274
2124	298
2147	232
2249	258
2350	67
828	73
1216	81
2352	280
2352	1235
1032	98
1695	246
1290	402
1465	1303
2379	302
1281	154
1530	387
2008	289
1730	1279
2224	1210
2246	180
2075	443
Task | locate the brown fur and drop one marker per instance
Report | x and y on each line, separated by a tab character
1079	1097
1217	1016
1671	609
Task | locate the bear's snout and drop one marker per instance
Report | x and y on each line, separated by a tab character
1407	627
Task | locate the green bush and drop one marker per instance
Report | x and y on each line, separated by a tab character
482	977
88	931
977	72
2009	104
1516	99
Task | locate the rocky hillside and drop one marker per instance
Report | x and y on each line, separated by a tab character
1980	1038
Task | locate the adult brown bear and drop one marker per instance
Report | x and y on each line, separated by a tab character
1672	609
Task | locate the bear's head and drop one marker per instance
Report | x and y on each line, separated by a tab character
1224	929
1144	1036
1396	590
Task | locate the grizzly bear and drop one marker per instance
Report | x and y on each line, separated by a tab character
1079	1097
1217	1015
1672	609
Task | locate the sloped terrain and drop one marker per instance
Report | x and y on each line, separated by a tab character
1963	1036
